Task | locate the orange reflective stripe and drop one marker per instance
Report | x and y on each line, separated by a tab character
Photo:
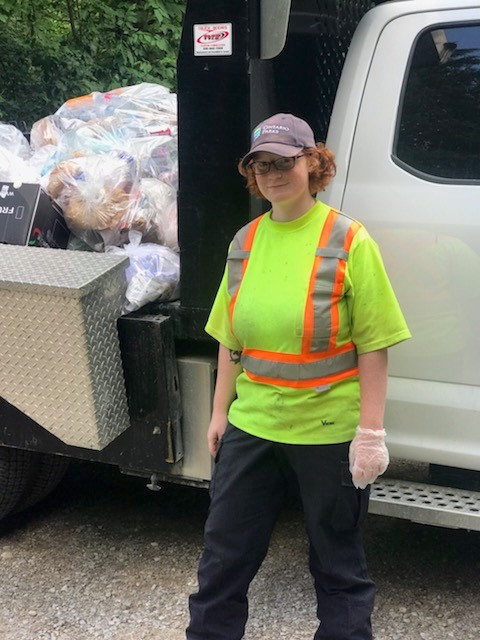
336	295
296	358
354	227
308	324
302	384
300	370
247	246
338	284
320	361
231	307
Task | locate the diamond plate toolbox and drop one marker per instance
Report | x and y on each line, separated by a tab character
59	352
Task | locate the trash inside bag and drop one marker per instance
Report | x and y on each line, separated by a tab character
153	274
157	206
95	192
147	103
51	129
110	160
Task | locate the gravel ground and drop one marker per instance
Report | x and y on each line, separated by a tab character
104	558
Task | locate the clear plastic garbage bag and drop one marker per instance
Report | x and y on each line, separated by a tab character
153	274
14	141
96	192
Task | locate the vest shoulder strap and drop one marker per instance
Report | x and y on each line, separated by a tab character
243	239
239	254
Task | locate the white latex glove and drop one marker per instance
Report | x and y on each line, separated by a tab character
368	456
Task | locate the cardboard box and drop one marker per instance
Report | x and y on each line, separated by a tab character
28	217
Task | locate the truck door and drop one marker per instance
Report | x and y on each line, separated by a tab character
414	180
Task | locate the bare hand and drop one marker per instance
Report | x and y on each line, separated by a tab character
215	432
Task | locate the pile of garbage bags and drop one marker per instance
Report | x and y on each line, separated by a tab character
110	160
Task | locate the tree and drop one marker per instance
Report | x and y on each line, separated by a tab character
58	49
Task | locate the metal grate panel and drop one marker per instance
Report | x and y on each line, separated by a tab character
307	72
60	354
65	273
426	504
335	27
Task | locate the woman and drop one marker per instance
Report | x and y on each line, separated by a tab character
304	316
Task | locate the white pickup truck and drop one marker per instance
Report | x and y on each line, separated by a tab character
395	90
405	131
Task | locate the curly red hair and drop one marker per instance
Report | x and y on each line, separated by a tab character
321	168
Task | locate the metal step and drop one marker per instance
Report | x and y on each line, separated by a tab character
426	504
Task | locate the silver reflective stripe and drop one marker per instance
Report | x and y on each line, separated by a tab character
324	282
235	258
331	252
300	371
234	275
238	254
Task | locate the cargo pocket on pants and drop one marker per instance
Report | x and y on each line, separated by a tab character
351	504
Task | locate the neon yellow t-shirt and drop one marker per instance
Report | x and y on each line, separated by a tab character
269	314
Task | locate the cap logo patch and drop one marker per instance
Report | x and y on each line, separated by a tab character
256	133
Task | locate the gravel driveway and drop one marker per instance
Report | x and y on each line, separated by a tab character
104	558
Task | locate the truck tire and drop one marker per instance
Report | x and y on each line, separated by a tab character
47	474
15	474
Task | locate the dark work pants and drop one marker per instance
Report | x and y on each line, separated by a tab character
247	491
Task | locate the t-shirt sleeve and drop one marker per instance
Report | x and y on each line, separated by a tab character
218	323
375	315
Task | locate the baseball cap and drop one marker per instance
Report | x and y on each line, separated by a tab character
283	134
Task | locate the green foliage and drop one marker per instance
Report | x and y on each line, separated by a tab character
53	50
23	93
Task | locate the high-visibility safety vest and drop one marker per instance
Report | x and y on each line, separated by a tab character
320	362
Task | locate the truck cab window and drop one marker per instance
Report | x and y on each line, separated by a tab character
439	121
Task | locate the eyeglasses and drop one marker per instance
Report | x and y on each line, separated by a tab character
261	167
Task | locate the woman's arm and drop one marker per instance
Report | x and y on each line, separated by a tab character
229	368
368	454
373	388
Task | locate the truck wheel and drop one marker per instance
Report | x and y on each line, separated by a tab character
48	473
15	474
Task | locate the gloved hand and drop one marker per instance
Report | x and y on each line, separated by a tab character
368	456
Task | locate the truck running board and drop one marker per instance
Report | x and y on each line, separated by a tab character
426	504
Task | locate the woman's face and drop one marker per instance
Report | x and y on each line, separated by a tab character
283	186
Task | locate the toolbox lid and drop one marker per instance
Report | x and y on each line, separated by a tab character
56	272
